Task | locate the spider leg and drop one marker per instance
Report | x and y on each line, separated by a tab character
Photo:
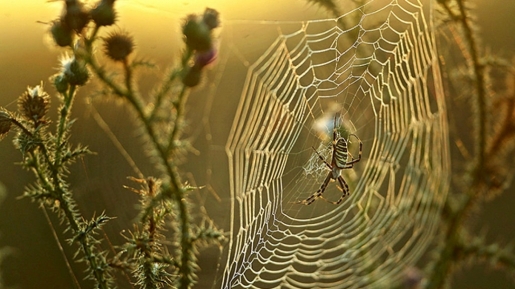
318	193
322	158
344	188
360	151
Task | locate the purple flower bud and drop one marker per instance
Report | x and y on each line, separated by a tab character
205	57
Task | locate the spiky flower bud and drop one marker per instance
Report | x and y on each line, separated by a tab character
63	36
60	82
103	14
33	105
197	34
118	45
191	76
25	143
74	70
5	122
75	16
211	18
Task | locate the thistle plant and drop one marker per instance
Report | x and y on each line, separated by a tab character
488	170
153	260
156	259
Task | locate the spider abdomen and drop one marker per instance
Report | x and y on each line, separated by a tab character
340	153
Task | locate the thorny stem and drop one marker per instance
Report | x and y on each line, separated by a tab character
63	117
89	40
507	125
162	92
179	106
452	234
138	107
41	145
100	72
480	87
151	229
478	248
128	77
188	255
176	191
98	272
22	127
58	193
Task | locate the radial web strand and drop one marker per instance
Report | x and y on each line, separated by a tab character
375	70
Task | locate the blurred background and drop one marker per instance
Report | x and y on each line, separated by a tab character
27	57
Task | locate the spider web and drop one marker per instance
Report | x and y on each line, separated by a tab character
375	69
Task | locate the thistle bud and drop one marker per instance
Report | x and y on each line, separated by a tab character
103	14
74	71
191	76
75	16
33	105
5	122
211	18
60	82
25	143
118	46
197	34
63	36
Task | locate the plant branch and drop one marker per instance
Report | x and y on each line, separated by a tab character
455	228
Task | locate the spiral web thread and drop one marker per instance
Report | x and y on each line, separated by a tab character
375	68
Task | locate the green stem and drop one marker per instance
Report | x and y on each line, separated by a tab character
493	253
128	77
158	99
187	265
63	121
179	107
22	127
452	235
507	127
60	194
187	255
54	188
92	37
100	73
480	103
149	248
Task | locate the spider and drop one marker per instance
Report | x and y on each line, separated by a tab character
339	161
